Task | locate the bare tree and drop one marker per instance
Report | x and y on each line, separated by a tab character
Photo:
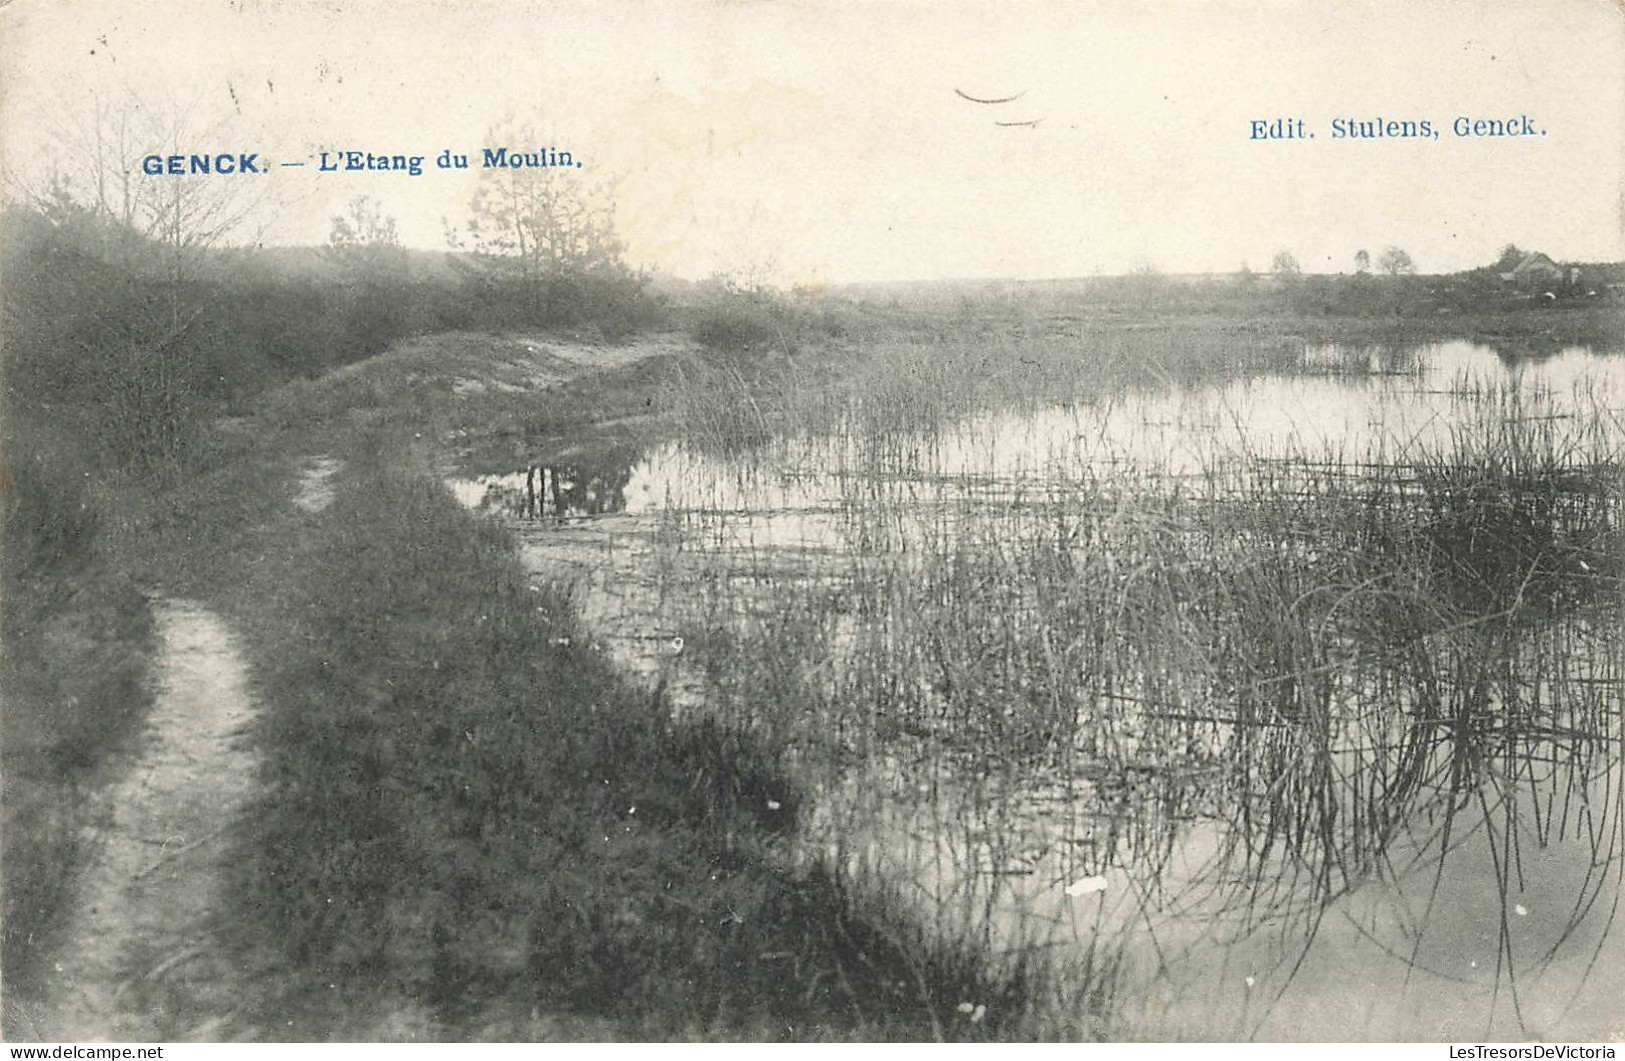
1284	265
1362	261
123	230
93	152
539	226
1396	262
363	240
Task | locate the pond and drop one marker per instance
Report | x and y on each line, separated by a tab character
1286	707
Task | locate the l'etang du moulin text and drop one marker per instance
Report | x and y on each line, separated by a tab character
231	163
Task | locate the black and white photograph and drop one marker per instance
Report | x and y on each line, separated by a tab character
813	521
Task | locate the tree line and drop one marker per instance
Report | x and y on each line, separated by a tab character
129	319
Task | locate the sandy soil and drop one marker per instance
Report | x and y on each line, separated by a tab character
139	961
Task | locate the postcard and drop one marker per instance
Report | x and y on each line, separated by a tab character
813	521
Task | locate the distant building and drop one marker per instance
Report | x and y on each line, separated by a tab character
1535	270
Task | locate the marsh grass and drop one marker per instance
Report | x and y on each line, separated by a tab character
1334	667
917	382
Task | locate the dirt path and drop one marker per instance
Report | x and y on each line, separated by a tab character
139	961
315	490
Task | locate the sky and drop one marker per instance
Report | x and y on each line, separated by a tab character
824	141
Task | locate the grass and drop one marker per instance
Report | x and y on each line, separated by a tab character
384	630
465	807
919	383
78	638
488	400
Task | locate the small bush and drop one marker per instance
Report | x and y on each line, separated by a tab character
736	326
729	318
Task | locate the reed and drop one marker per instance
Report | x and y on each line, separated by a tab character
1323	667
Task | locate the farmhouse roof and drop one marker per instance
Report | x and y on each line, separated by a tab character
1534	262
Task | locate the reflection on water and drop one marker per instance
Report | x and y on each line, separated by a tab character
590	485
1026	697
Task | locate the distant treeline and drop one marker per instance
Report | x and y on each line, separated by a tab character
1276	293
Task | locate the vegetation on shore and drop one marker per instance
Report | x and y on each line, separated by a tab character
464	806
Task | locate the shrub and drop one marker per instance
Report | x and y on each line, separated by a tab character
735	327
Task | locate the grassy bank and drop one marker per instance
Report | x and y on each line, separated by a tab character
470	826
464	807
77	640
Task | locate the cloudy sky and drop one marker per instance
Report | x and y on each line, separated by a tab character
828	139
